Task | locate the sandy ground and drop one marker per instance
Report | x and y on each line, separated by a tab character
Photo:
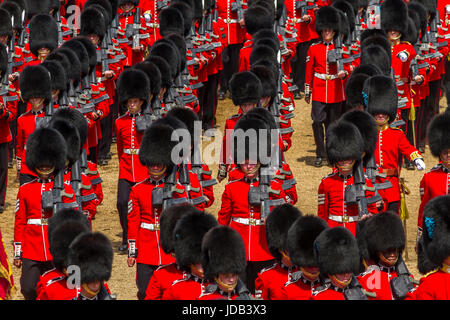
300	157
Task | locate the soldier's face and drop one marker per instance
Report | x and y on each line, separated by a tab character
4	39
264	102
36	103
445	158
247	107
197	269
43	52
250	168
393	35
346	166
341	280
381	119
45	171
134	105
157	171
94	39
227	281
312	273
388	257
327	34
127	7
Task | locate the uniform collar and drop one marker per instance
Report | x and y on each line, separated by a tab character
345	177
156	183
442	167
387	269
133	115
193	277
251	180
44	180
126	14
37	112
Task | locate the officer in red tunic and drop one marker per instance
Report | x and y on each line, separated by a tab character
436	182
381	240
434	253
35	204
345	148
223	261
187	238
380	99
300	245
338	258
133	93
270	281
63	228
242	206
165	275
323	80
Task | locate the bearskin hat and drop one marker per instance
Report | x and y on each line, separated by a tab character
424	264
188	234
57	74
168	221
156	146
366	33
422	14
188	117
430	6
77	119
23	4
262	114
262	51
171	20
376	55
367	128
278	222
336	251
153	75
380	96
90	49
3	59
257	18
327	17
197	9
15	11
92	253
55	5
245	87
394	16
46	146
60	240
74	71
71	137
6	27
37	7
164	70
382	232
275	45
35	82
66	215
412	34
43	33
368	69
378	39
179	43
92	21
122	2
105	4
353	89
133	83
79	49
300	240
187	13
169	52
438	134
268	81
344	27
223	251
356	4
348	11
343	142
436	229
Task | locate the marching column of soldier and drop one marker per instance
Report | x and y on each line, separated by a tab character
145	73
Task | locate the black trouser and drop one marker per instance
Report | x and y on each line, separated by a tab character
430	108
144	273
123	195
251	272
12	144
410	126
446	81
209	100
298	64
230	61
31	273
4	152
93	154
106	124
323	114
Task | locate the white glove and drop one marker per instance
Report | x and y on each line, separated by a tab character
420	165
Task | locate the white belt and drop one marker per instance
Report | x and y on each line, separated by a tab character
343	218
131	151
249	222
150	226
324	76
38	222
231	21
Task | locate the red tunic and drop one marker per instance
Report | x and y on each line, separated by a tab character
402	54
162	278
7	114
270	282
299	288
53	286
433	286
235	33
377	279
190	287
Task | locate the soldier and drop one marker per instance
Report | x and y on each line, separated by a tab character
300	245
436	182
337	254
46	156
381	240
187	238
43	37
345	148
223	260
435	251
270	281
323	80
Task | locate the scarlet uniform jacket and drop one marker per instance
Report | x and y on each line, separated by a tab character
328	291
402	54
299	288
128	143
143	220
88	198
433	286
318	69
391	142
226	150
206	184
7	114
305	30
30	226
162	278
101	101
234	32
246	219
53	286
150	13
270	281
189	287
332	205
434	183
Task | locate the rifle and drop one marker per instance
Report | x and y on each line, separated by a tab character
136	28
161	4
23	33
335	55
236	6
433	34
356	193
104	55
60	33
304	6
170	186
403	283
75	181
183	177
144	121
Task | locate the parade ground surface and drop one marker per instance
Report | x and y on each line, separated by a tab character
300	157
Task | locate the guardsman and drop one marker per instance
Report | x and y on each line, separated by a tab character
133	93
436	182
187	239
43	37
46	156
270	281
381	240
223	261
300	245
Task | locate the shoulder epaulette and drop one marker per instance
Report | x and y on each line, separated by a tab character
431	272
330	175
235	116
319	289
268	268
241	179
163	266
51	281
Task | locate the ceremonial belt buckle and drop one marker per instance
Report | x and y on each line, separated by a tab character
252	222
133	151
345	218
328	77
44	221
156	226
